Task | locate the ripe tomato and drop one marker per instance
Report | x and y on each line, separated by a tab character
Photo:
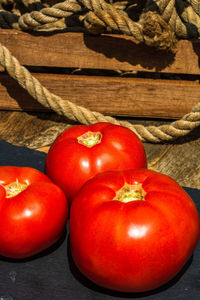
33	212
81	152
132	230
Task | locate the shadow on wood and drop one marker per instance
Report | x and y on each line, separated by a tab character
125	50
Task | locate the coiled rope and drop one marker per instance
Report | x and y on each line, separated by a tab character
160	24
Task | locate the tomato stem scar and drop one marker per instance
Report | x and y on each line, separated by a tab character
14	188
130	192
90	139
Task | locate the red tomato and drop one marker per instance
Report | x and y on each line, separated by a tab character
33	211
81	152
132	230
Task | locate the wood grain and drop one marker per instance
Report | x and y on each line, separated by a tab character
31	130
181	162
114	52
109	95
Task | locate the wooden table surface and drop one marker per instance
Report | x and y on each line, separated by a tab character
180	159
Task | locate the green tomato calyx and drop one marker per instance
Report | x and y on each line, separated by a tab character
14	188
130	192
90	139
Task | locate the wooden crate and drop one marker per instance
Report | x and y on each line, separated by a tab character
161	85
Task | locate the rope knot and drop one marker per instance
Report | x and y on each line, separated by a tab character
156	31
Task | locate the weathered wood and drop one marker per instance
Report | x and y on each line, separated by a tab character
116	52
109	95
30	130
181	162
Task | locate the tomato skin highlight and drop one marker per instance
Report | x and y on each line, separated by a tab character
135	246
34	218
70	163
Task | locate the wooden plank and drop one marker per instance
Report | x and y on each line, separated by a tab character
110	95
185	169
116	52
31	130
44	149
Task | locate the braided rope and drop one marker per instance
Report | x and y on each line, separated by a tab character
103	15
182	19
195	5
77	113
49	14
159	24
112	17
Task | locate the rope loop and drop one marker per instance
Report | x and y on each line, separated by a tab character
157	23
